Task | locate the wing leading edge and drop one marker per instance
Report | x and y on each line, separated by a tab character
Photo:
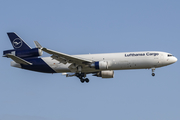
62	57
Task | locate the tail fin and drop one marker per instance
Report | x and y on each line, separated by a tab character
17	42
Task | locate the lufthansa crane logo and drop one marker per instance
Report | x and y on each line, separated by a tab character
17	43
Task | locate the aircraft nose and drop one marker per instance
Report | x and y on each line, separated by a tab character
174	60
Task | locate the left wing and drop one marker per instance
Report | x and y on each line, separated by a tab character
64	58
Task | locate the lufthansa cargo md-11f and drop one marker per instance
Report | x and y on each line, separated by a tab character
100	65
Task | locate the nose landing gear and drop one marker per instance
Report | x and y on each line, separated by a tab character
153	69
153	74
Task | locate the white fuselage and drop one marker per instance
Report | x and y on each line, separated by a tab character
119	61
100	65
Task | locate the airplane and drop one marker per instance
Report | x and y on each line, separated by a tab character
100	65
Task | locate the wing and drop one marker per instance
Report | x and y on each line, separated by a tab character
63	58
18	59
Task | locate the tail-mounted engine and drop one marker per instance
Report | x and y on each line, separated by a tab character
105	74
35	52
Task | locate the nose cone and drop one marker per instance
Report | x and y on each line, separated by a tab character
175	59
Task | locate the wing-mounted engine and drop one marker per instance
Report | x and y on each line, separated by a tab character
105	74
100	65
35	52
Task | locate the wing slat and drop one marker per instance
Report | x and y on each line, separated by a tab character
62	57
68	58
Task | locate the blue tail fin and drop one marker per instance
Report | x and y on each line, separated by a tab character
17	42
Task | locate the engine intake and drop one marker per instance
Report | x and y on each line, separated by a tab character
105	74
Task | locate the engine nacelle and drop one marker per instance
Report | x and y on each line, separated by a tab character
100	65
105	74
35	52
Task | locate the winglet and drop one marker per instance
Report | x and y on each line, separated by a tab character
37	45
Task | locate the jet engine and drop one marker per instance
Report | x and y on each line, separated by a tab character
35	52
100	65
105	74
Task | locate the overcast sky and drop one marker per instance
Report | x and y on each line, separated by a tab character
93	26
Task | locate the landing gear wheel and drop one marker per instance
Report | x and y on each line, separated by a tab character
87	80
153	74
82	80
153	69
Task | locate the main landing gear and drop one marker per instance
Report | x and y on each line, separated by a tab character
153	69
82	78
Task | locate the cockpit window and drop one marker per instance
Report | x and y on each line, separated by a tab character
169	55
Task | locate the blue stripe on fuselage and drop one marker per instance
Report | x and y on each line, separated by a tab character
38	65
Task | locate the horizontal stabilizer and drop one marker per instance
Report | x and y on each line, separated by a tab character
18	59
